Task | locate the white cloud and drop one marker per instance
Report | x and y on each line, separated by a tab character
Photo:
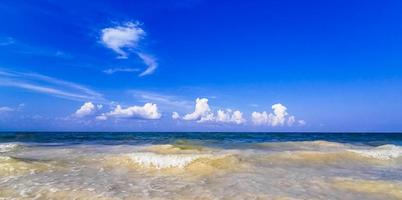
44	89
291	120
5	109
125	38
63	83
88	108
202	110
223	116
229	116
260	118
207	118
18	47
175	115
48	85
203	113
301	122
115	70
237	117
148	111
150	62
279	117
169	102
120	38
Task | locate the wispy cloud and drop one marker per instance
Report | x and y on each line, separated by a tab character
124	39
115	70
5	109
48	85
18	47
62	83
150	62
167	101
6	41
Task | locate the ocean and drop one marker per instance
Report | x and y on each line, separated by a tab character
200	165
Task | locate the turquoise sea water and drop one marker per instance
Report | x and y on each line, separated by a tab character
218	138
116	165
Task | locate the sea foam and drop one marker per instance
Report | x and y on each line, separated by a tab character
384	152
162	161
7	147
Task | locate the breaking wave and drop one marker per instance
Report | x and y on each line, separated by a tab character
384	152
172	159
8	147
322	152
161	161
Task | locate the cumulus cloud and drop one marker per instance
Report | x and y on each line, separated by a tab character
260	118
88	108
175	115
279	117
207	118
230	116
148	111
237	117
203	113
120	38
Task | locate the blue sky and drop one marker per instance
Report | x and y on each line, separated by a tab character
199	65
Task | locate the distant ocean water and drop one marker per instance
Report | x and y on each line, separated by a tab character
152	165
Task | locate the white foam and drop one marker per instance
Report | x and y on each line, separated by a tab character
384	152
162	161
4	158
7	147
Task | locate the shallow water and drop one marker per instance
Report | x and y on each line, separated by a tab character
200	166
